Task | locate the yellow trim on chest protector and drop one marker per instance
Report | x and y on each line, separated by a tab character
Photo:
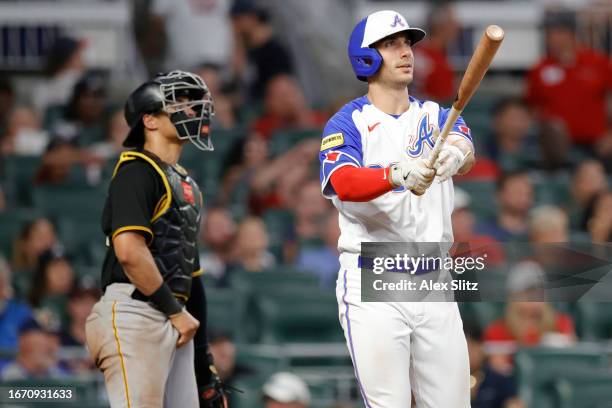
166	199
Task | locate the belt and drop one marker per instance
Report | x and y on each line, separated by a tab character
138	295
368	263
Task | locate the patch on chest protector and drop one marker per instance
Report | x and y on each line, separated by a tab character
332	140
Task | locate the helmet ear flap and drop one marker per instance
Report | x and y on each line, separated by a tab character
366	62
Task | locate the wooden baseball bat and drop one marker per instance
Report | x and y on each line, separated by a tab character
478	66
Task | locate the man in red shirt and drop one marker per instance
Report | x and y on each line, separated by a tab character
434	76
571	82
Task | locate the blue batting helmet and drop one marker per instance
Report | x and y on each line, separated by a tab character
365	60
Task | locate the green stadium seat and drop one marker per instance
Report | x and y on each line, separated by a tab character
594	320
538	369
78	235
278	224
286	139
20	172
585	391
78	203
226	308
299	315
274	280
482	194
481	313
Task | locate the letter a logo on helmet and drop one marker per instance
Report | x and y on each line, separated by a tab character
365	60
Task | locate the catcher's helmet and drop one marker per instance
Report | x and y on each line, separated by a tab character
365	60
162	95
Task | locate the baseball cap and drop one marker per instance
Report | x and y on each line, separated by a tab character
287	387
462	199
524	276
384	23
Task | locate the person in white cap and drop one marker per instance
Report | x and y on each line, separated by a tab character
286	390
374	168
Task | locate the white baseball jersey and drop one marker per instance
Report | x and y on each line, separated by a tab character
361	135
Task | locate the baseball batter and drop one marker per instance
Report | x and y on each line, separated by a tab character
373	168
147	333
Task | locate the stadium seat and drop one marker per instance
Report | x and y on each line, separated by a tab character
299	315
278	224
20	172
226	308
538	369
274	280
585	391
594	320
79	203
482	196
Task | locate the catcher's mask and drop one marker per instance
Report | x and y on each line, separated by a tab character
184	97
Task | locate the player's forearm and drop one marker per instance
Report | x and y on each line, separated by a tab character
466	148
137	262
360	184
196	305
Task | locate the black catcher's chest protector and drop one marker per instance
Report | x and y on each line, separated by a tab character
175	232
175	224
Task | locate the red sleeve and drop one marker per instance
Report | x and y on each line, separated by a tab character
565	324
497	331
360	183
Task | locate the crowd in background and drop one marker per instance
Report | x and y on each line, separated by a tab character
75	128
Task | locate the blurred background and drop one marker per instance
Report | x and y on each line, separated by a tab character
278	70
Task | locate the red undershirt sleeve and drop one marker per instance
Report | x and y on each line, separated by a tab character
360	183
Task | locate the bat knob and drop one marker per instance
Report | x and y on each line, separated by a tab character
495	33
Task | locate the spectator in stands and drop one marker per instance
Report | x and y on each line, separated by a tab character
555	146
589	181
489	388
600	222
224	354
286	390
514	193
224	111
468	240
112	146
529	320
86	109
322	260
80	302
37	356
286	108
24	134
434	77
197	31
571	74
276	183
548	224
217	235
7	99
244	162
250	250
64	155
2	200
257	46
311	210
51	284
511	145
64	66
33	240
13	312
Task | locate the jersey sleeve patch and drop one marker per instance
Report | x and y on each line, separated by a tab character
331	141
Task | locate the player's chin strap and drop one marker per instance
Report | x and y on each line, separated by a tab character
212	392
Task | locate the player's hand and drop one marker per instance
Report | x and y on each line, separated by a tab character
412	174
449	161
186	325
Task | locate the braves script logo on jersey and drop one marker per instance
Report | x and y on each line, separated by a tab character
397	21
424	135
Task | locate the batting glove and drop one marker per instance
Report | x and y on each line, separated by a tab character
412	174
449	161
